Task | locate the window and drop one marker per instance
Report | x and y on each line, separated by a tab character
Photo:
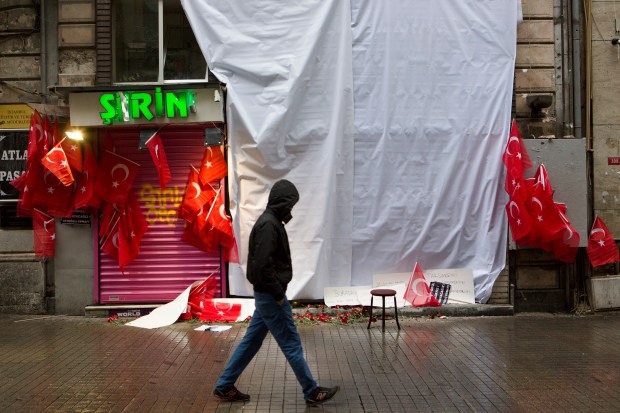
154	43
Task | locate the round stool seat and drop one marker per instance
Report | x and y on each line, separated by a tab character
383	292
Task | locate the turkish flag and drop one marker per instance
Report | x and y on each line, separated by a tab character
73	151
109	243
213	311
418	292
156	148
132	227
199	290
56	161
48	135
195	198
547	217
515	157
602	248
219	220
115	177
565	247
57	198
86	180
231	254
197	234
36	135
213	165
519	219
44	229
108	220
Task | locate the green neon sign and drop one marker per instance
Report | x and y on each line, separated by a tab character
121	107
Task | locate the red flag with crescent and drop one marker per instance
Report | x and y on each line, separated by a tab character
54	196
196	197
48	134
219	220
519	219
156	148
73	151
546	216
418	293
565	247
86	180
36	135
217	311
515	157
56	161
115	176
44	229
109	242
131	229
602	248
213	165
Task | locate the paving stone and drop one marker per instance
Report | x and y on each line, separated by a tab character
522	363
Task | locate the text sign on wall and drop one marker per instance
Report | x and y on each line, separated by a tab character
613	161
15	116
13	153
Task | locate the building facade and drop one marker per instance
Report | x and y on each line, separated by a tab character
55	53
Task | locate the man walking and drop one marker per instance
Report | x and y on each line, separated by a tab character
270	270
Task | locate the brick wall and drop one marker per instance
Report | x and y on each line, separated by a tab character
20	50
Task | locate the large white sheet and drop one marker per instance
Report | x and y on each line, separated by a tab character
433	89
432	86
288	72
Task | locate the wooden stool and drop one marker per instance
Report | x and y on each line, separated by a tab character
383	292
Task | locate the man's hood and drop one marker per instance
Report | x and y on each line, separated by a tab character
282	198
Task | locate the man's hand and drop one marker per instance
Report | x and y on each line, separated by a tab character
280	302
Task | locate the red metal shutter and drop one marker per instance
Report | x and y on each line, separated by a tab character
166	265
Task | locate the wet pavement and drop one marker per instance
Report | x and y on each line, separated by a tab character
522	363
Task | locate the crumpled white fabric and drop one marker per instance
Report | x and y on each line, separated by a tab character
390	117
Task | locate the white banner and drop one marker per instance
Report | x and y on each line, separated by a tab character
433	91
288	73
431	87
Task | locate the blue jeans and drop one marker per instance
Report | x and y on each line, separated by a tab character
277	319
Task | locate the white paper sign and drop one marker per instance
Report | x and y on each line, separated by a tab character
461	280
342	295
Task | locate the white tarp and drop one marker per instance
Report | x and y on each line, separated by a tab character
432	89
288	72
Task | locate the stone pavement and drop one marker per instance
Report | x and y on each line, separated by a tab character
522	363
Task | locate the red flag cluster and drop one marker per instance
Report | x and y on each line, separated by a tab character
535	219
207	224
62	175
418	293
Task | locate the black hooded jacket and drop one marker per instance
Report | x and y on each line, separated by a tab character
269	256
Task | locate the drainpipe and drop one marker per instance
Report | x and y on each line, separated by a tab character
43	62
577	37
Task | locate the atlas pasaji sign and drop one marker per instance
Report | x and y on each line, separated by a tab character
121	107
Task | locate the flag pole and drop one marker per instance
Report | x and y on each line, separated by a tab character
153	135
